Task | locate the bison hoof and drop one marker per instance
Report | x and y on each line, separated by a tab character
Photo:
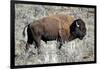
35	47
59	47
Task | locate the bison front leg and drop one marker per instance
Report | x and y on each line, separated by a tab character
61	38
60	45
61	42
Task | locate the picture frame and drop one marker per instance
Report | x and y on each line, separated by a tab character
18	11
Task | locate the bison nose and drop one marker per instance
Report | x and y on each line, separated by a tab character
83	34
81	38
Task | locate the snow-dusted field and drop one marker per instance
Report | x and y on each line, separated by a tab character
74	51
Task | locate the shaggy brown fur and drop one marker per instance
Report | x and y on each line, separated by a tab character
56	27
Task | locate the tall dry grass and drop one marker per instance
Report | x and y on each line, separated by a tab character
74	51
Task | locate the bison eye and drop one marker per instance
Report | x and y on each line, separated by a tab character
77	24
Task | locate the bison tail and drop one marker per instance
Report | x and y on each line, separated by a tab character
24	30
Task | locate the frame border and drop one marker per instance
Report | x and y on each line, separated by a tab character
12	34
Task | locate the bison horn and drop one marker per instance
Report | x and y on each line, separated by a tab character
77	24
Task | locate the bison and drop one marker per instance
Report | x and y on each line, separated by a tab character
56	27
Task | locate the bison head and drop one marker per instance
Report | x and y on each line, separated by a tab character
78	29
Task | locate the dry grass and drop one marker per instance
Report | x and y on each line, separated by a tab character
74	51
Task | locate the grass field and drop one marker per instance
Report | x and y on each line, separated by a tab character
74	51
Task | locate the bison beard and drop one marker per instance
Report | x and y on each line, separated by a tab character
59	27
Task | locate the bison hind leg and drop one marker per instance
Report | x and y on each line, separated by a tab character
27	47
37	42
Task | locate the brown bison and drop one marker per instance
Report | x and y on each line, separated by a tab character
57	27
